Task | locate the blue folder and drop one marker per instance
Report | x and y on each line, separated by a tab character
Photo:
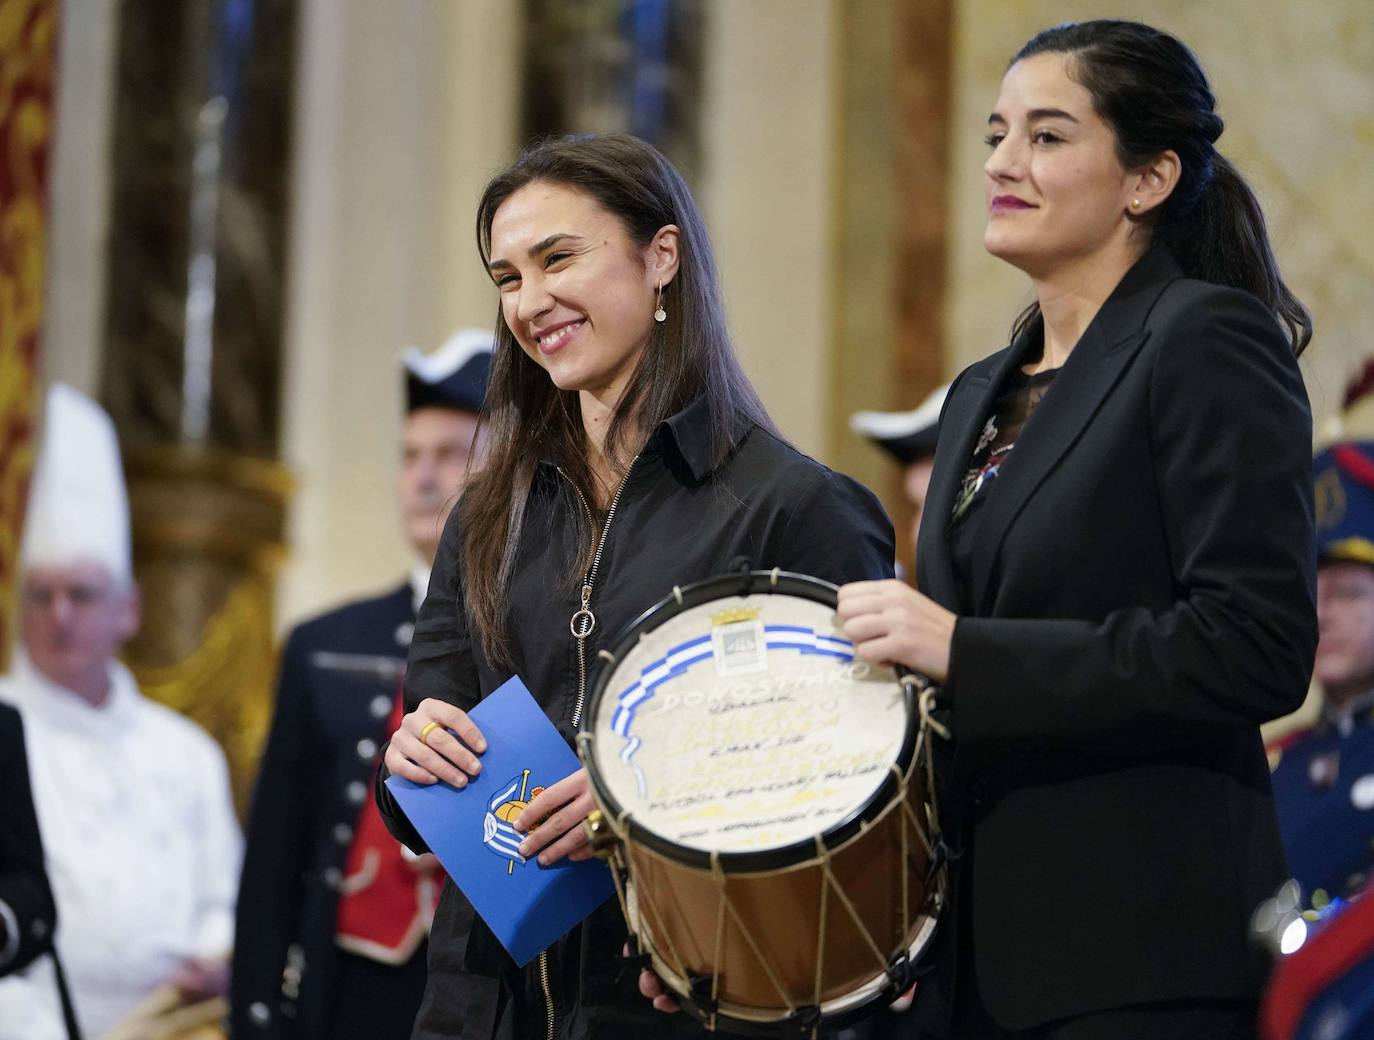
527	907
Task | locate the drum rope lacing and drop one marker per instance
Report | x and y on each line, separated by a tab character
640	906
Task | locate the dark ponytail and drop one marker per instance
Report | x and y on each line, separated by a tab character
1226	241
1152	92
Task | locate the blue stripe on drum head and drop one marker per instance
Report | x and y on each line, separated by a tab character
637	694
652	665
802	629
811	651
683	646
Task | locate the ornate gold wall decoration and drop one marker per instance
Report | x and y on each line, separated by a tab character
27	45
891	225
207	544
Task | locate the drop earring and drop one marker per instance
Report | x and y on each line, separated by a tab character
660	315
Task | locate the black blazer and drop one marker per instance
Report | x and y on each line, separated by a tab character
1142	598
24	886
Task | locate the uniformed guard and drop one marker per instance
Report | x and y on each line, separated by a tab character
334	912
1324	779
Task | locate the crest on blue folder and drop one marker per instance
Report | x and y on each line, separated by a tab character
503	808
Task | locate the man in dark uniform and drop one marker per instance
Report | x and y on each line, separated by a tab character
333	912
1324	779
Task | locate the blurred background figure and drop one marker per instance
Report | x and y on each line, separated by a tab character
26	906
910	438
133	799
1321	990
1324	779
333	911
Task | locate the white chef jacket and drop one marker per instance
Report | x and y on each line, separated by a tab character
142	847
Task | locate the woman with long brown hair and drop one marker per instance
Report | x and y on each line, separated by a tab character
628	454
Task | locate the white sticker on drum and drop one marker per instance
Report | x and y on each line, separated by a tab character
739	641
719	741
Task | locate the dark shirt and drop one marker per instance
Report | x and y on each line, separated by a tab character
1012	410
679	520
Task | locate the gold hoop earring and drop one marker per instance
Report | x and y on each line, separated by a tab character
660	315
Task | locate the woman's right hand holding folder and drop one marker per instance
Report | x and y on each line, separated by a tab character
436	741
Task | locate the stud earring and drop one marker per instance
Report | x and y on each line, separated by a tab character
1135	203
660	315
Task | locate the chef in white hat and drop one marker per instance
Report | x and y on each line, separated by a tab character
133	799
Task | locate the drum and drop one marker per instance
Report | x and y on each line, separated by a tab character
766	806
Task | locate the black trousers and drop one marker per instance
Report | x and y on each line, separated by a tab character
1213	1020
1175	1020
375	1001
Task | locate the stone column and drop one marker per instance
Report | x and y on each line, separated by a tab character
892	227
28	38
193	343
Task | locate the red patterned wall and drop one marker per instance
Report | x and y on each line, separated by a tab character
28	45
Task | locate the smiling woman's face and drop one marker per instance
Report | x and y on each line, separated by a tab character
1056	191
576	292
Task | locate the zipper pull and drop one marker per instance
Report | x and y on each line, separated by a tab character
583	622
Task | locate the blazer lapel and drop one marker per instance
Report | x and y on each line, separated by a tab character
966	413
1108	345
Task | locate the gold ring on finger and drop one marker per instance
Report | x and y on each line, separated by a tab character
430	727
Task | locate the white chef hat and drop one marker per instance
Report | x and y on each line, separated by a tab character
78	507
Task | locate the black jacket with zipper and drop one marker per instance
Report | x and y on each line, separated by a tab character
678	520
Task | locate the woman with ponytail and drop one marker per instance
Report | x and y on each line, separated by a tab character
1115	565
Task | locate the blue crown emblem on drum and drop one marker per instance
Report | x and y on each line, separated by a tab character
498	831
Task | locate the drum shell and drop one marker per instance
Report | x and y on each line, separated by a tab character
800	928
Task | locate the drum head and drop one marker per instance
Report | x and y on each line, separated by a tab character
735	720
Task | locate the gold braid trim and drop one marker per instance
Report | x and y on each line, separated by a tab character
27	45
